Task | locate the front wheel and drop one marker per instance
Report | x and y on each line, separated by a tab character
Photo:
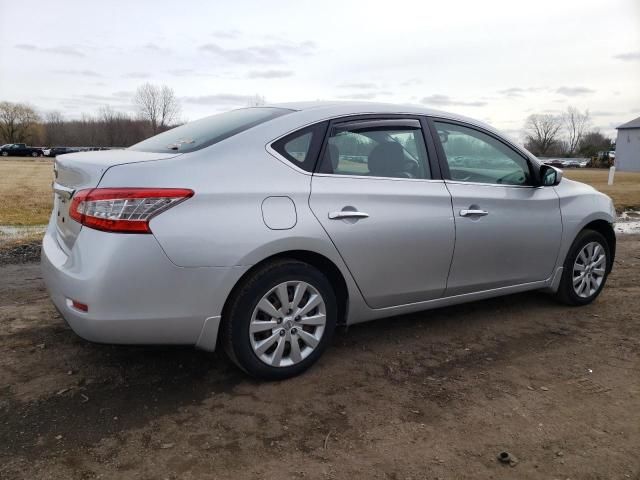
34	154
585	269
280	320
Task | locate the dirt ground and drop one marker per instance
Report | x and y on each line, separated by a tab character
425	396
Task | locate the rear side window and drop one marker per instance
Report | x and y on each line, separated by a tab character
207	131
302	147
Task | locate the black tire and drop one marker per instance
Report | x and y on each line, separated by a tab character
5	154
566	293
237	316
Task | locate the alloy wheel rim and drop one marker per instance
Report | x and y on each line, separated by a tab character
589	269
287	324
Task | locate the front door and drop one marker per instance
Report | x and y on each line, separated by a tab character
390	220
508	230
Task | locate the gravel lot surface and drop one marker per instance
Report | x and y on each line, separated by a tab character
432	395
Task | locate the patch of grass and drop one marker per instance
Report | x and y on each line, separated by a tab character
625	190
25	190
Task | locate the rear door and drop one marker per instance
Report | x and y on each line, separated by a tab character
508	230
381	201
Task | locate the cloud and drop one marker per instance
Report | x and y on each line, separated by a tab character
154	47
629	56
358	85
574	91
60	50
190	72
136	75
118	100
263	54
181	72
512	92
270	73
445	100
520	91
412	81
81	73
364	95
217	99
359	96
232	33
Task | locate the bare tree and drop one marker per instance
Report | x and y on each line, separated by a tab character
55	131
542	133
158	105
575	124
256	101
114	126
17	122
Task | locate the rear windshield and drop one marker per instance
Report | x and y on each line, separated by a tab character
207	131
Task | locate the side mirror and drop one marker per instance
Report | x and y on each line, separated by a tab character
550	176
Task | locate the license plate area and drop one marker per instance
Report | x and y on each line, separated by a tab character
62	211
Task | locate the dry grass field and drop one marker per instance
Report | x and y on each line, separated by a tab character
25	189
625	190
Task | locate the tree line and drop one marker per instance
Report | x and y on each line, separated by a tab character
569	134
156	109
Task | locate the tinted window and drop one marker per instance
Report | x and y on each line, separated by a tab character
302	147
207	131
474	156
380	151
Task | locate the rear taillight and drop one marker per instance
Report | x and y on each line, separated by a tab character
125	210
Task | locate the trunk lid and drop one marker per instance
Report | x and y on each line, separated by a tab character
78	171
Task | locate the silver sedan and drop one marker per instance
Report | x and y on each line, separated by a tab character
262	229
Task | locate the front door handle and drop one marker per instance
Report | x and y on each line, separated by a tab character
347	214
477	213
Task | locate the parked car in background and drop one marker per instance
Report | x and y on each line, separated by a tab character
554	162
566	162
256	230
20	150
53	151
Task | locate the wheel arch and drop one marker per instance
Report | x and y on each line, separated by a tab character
317	260
606	230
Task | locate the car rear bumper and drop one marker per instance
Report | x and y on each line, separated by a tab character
134	294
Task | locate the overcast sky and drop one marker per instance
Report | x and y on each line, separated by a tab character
496	61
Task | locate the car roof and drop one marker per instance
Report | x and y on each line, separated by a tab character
338	108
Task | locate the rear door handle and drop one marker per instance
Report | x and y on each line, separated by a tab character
347	214
477	213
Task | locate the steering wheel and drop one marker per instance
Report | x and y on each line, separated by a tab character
514	178
456	175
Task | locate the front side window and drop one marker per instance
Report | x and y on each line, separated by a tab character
376	150
476	157
207	131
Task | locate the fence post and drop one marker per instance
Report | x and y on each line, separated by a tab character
612	171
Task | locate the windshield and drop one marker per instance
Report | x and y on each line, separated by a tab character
207	131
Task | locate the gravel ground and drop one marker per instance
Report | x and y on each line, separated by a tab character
20	252
432	395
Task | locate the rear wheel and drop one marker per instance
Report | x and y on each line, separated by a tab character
280	320
34	154
5	154
585	269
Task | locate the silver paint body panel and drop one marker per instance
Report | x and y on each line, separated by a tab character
413	252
